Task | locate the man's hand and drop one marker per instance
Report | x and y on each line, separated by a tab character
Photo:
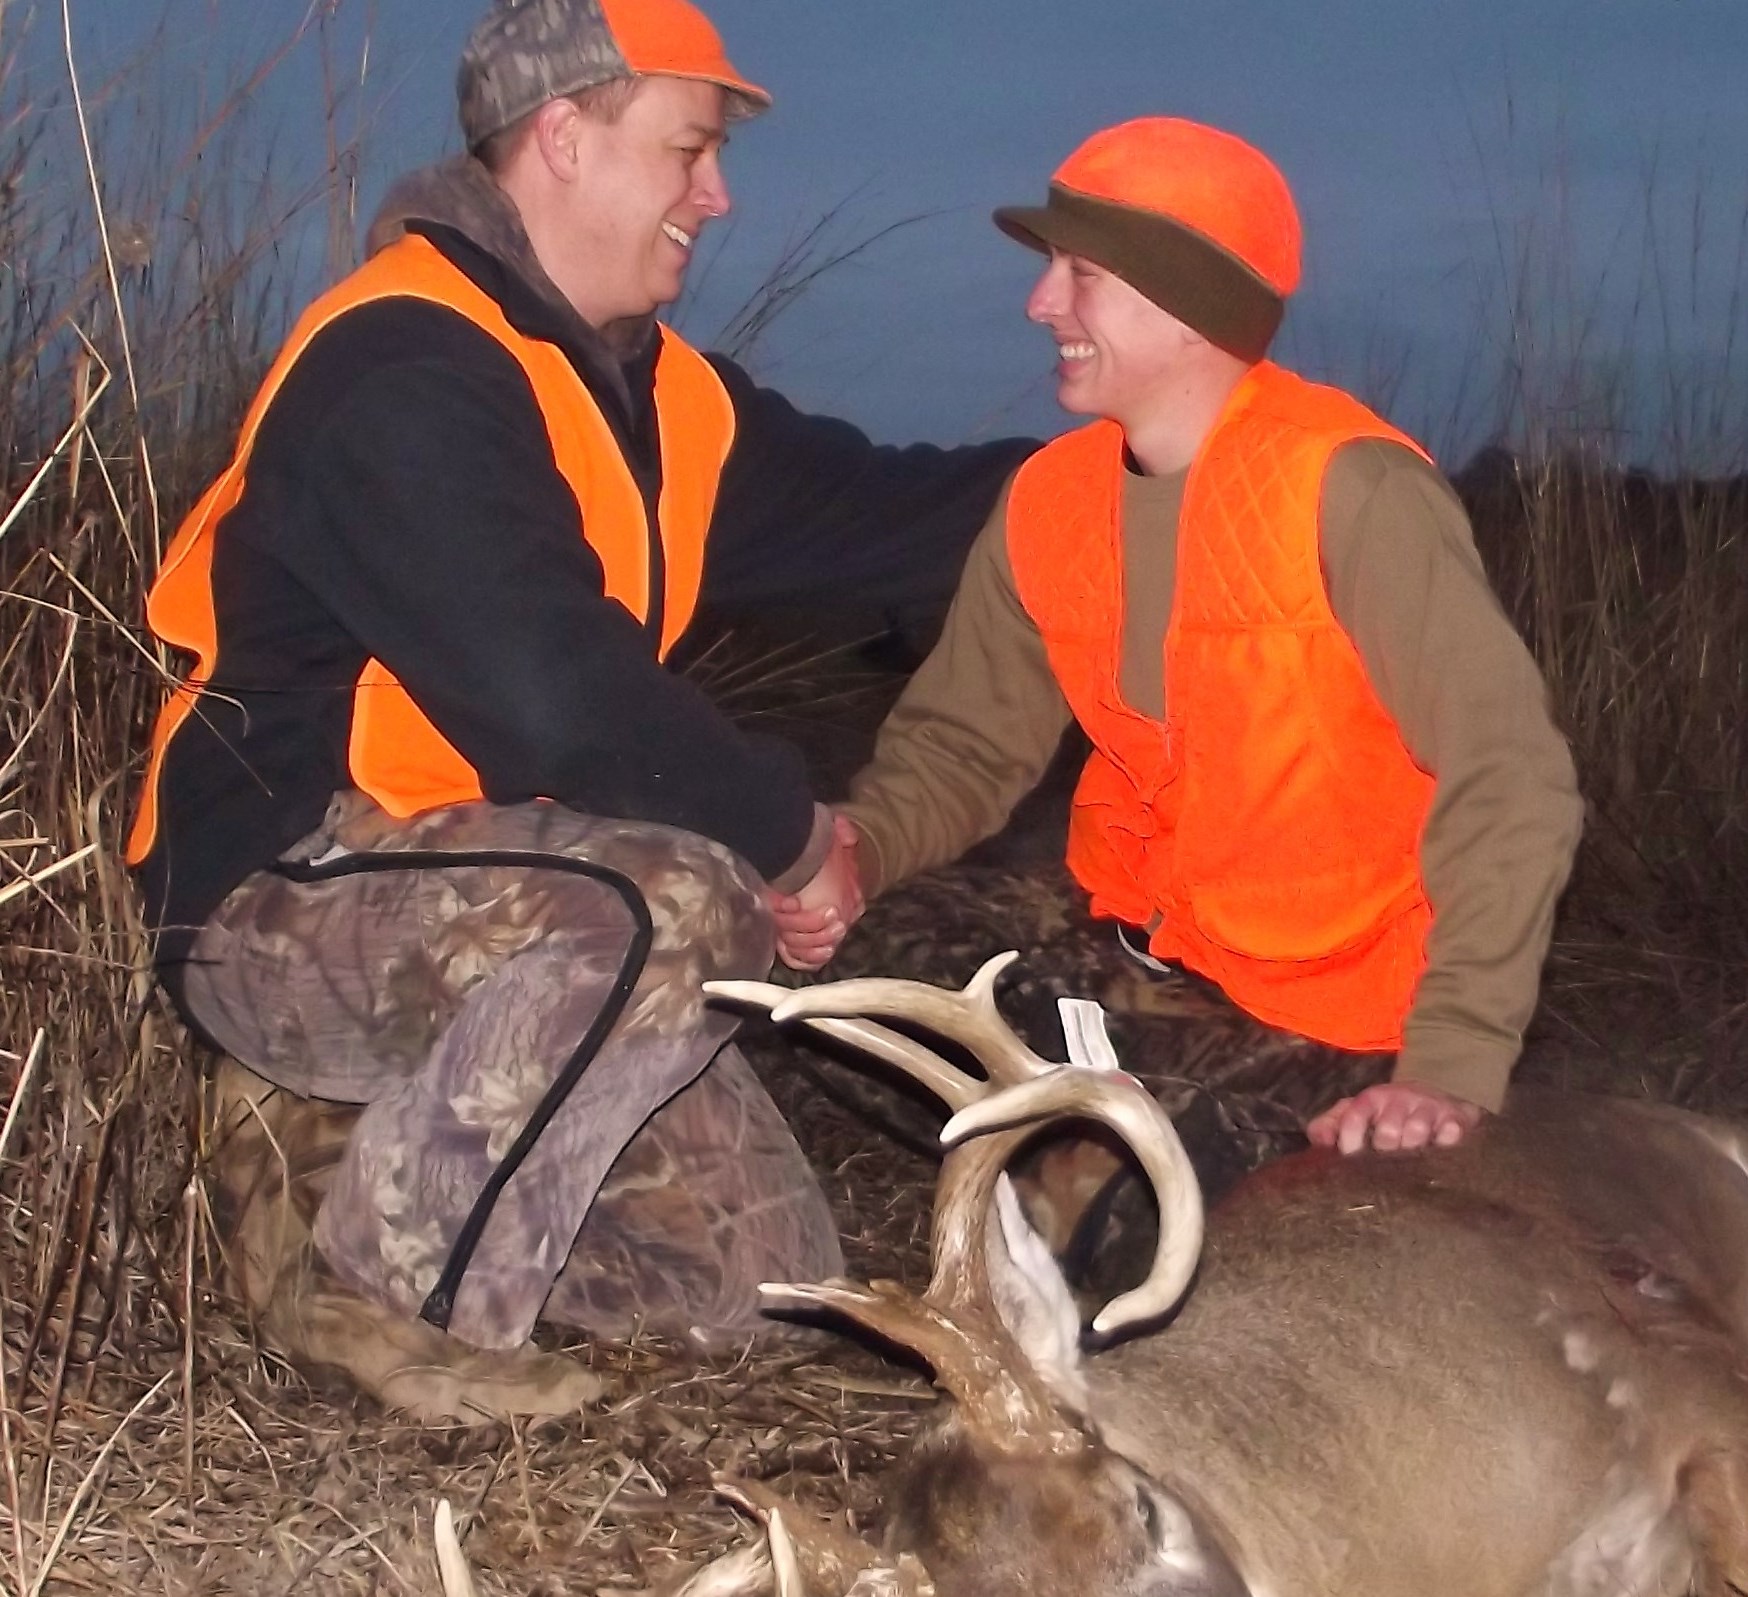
811	923
1395	1116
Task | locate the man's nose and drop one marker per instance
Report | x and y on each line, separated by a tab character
1046	299
711	189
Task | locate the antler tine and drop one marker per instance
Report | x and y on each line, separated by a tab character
746	1572
809	1554
963	1343
1122	1103
452	1565
918	1061
785	1566
969	1017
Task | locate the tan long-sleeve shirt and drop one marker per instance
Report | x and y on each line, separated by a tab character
979	722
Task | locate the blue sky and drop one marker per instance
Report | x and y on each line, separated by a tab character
1587	162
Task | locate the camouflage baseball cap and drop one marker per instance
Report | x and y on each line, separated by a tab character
526	52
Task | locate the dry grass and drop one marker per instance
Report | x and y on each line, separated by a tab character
255	1482
146	1443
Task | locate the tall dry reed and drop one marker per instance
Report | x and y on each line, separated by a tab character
1632	584
145	284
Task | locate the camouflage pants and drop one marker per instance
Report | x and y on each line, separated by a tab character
446	1001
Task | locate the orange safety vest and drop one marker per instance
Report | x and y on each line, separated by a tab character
1269	830
394	753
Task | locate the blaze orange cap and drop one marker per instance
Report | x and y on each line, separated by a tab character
1199	221
669	38
526	52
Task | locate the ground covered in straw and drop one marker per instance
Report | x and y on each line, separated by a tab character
151	1446
252	1479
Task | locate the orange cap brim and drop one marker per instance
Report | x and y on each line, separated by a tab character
672	39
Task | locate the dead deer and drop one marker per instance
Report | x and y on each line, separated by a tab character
1518	1366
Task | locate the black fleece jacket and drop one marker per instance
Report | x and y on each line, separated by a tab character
403	503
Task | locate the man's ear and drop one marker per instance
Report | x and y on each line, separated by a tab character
557	137
1194	343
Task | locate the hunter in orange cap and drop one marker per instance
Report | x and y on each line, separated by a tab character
1323	771
437	847
527	52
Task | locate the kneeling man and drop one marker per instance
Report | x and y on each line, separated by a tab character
1323	770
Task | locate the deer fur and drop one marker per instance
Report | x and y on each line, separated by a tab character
1513	1368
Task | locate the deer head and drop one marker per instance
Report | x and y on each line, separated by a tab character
1012	1491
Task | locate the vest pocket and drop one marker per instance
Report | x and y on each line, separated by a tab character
1311	920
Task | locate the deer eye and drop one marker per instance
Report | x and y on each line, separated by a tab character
1149	1511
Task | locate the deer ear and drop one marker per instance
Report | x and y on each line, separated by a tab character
1033	1300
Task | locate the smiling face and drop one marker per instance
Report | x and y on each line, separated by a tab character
643	186
1118	353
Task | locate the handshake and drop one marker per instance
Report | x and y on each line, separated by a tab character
813	921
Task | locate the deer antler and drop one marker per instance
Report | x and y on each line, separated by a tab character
1022	1089
999	1394
953	1087
746	1572
803	1554
956	1325
1124	1105
969	1017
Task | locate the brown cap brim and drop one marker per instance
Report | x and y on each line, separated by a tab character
1182	271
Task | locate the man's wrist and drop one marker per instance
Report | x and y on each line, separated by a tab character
1464	1064
870	868
806	866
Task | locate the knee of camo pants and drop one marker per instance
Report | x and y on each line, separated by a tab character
703	897
710	922
340	989
427	1146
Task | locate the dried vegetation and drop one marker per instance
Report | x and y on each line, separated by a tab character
146	1442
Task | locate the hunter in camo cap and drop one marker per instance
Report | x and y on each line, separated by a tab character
526	52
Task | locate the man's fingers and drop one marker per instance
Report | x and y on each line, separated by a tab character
807	922
1322	1131
1395	1118
809	951
1403	1124
1416	1131
806	958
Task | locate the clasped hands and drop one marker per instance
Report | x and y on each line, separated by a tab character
812	922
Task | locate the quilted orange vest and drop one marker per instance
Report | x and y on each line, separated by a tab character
395	754
1269	829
